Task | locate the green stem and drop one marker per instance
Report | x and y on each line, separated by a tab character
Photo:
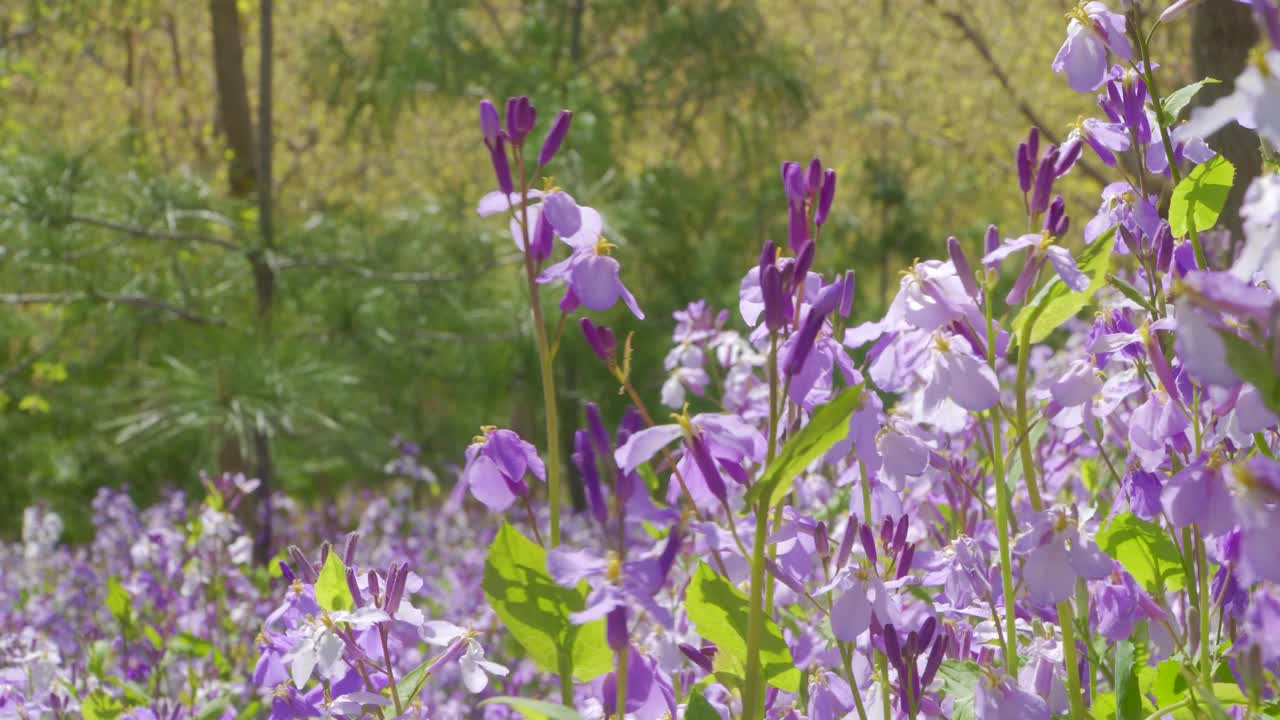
1206	657
753	686
1167	709
622	656
1020	392
846	655
1067	620
1004	511
1162	121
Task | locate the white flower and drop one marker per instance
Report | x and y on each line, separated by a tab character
475	669
321	647
1261	213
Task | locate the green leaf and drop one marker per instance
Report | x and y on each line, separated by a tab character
1056	303
719	611
1128	696
118	601
101	706
535	610
535	709
1255	366
959	678
1178	99
215	708
134	694
699	709
1198	199
1103	706
153	636
828	426
332	592
189	645
1144	550
410	684
1169	686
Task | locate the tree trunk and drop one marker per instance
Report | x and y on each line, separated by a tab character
233	95
1222	34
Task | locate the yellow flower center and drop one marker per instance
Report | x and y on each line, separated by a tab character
485	432
682	419
614	571
603	247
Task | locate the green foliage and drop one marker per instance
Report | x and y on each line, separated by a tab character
535	610
719	612
534	709
1198	199
828	426
332	592
959	678
118	601
698	707
1180	98
1144	550
1127	693
1056	303
1255	366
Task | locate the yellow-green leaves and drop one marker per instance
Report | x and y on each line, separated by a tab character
332	592
535	610
719	612
1056	303
829	425
1198	199
1145	550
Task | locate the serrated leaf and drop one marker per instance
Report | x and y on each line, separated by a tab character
1144	550
828	426
535	709
959	678
332	592
1056	303
535	610
1198	199
719	612
1178	99
1128	696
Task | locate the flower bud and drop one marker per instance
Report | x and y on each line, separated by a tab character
768	255
596	430
286	572
600	339
776	302
501	166
1163	243
1068	156
821	542
669	552
584	458
354	587
349	551
868	542
1024	164
1043	185
846	541
797	227
1131	241
963	270
814	179
935	660
904	561
846	294
1025	279
804	260
1053	220
696	656
490	124
542	242
1033	144
803	341
372	579
555	136
991	241
900	533
707	466
893	650
825	197
794	184
926	631
616	628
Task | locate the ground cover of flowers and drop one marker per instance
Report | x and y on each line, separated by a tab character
1042	484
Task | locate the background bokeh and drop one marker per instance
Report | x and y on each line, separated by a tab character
148	331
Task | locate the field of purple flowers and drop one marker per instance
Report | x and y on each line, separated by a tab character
1043	484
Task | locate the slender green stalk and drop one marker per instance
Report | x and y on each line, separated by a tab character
623	656
753	685
1206	656
1020	393
846	655
1066	619
1004	508
545	363
1168	709
1163	122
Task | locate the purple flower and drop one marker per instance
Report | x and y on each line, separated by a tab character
497	462
1198	494
591	275
1056	553
1257	507
1042	248
1093	30
997	698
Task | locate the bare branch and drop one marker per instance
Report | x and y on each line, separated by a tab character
142	301
155	234
979	43
408	277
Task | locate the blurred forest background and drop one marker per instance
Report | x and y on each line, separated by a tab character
169	306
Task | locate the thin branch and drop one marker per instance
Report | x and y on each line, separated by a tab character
142	301
155	234
349	266
979	43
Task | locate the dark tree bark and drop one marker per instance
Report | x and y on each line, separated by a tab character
1222	34
233	95
263	274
